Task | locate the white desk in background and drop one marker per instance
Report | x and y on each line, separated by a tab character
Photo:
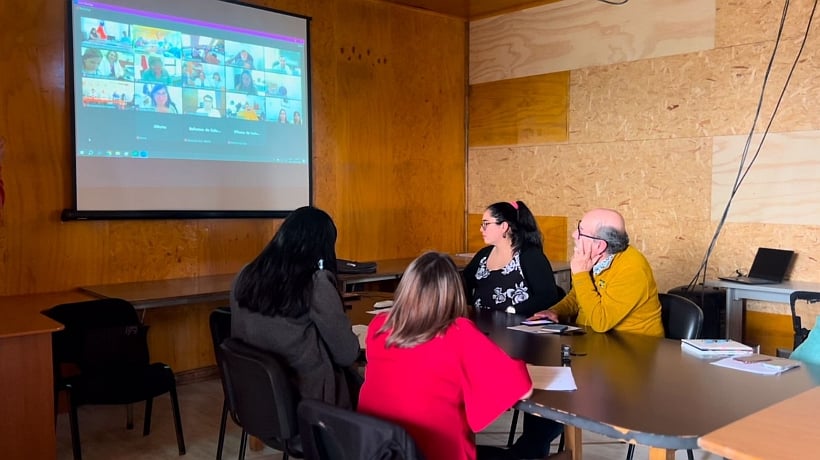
737	293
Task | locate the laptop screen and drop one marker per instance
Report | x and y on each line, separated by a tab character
771	264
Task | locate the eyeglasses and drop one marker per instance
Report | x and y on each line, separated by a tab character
485	223
580	234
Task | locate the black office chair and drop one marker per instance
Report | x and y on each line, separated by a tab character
800	332
261	397
332	433
682	319
220	324
104	345
514	423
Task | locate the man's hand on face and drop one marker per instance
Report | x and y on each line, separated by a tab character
585	256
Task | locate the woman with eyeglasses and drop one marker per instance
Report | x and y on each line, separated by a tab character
512	274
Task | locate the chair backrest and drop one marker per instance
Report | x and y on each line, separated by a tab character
800	332
99	334
220	324
332	433
260	393
681	317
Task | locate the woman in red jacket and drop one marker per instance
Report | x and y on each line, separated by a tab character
468	380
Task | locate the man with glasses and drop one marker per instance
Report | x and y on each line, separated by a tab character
613	287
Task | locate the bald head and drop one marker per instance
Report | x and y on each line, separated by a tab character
603	217
607	224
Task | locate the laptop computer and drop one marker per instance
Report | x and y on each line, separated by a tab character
769	267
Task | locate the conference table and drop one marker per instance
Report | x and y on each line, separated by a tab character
640	389
785	430
737	293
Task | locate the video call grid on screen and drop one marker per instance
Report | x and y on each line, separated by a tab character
185	88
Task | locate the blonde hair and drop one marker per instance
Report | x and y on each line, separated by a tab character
429	298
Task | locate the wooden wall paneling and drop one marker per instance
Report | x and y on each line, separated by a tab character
400	132
429	133
226	246
553	229
573	34
471	9
27	389
781	188
529	110
388	152
770	331
180	336
364	154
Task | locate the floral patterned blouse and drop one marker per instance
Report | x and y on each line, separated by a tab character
502	288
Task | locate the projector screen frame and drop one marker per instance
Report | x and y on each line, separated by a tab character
74	213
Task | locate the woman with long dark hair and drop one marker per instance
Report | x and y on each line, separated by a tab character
285	301
512	274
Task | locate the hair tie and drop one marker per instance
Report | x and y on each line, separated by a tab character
514	204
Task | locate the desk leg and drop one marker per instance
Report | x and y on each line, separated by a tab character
656	453
573	441
734	315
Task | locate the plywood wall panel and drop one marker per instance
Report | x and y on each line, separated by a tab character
574	34
530	110
781	186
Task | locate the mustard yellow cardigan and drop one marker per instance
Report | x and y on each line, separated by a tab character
624	297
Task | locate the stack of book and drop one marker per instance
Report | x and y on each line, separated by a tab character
714	348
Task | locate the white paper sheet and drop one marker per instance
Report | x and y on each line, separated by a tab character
755	368
360	330
552	378
540	329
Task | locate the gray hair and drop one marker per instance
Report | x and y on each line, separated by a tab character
616	240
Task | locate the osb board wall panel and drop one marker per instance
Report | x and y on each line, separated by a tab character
530	110
749	21
553	231
574	34
782	185
653	183
400	118
658	118
42	254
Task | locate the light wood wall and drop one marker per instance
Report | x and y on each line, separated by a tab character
644	124
388	89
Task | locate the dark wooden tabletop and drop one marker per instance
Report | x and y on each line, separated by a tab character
633	387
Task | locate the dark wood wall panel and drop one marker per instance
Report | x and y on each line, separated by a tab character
388	152
400	182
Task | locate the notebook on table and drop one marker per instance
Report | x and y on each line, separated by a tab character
769	267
